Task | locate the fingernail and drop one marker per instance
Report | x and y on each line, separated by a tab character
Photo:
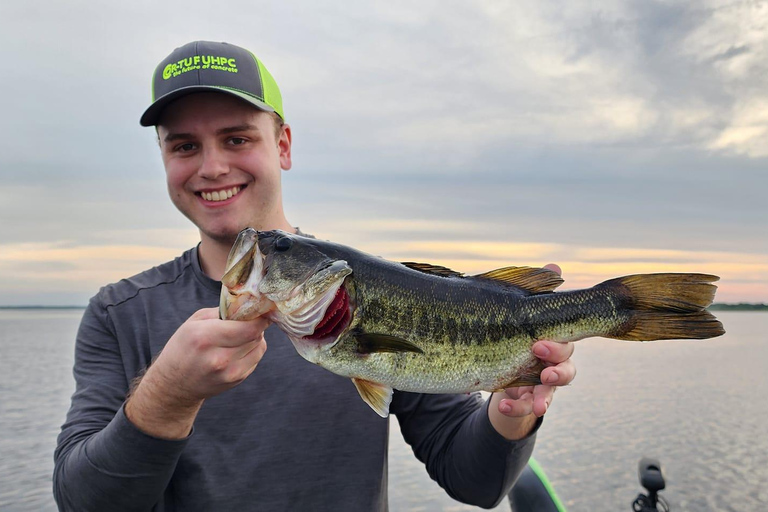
505	407
552	378
541	350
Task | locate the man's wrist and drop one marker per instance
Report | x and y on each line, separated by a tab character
155	411
512	428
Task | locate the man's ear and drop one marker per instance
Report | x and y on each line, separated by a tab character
284	147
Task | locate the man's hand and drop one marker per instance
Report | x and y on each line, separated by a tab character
560	371
513	412
205	356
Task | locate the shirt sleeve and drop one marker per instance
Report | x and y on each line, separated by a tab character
453	436
102	461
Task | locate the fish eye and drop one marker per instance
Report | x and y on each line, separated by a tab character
283	243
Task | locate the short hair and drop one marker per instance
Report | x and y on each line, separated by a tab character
278	121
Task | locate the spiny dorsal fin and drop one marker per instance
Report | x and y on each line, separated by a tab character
369	343
534	280
428	268
378	396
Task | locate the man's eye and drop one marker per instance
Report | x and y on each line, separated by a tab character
185	147
237	141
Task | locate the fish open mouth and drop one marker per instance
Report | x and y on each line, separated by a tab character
336	317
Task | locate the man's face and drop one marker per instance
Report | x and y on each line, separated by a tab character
223	162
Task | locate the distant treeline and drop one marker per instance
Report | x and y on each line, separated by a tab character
738	307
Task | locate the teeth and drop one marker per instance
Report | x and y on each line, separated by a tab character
220	195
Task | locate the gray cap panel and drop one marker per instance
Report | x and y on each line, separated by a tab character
205	66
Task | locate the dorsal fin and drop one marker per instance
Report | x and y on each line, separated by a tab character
534	280
428	268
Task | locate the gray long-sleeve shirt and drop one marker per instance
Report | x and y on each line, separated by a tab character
290	437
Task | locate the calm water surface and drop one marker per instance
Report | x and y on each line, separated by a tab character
698	406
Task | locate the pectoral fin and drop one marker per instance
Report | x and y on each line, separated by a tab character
378	396
368	343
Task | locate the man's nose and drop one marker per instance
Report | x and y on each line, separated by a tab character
214	164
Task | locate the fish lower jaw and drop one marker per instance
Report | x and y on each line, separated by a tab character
248	306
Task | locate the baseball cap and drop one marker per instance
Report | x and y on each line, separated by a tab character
202	66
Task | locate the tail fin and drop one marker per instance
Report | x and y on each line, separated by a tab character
667	306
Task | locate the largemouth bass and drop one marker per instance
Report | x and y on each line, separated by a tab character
428	329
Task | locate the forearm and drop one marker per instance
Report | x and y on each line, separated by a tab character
100	471
484	465
101	457
453	436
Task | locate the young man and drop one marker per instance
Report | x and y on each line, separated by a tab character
217	421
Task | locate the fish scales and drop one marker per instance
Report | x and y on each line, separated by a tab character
483	336
569	316
426	307
424	328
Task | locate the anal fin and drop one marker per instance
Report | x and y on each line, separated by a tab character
530	376
378	396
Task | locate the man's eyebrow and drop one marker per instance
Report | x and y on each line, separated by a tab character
221	131
239	128
177	136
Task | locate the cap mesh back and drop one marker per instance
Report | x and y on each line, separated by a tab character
272	95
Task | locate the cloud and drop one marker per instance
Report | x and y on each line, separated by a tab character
742	275
747	131
730	53
33	273
74	272
631	124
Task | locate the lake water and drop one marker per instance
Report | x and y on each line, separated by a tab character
698	406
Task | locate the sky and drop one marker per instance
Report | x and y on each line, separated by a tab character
611	138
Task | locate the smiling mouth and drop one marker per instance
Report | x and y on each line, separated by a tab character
221	195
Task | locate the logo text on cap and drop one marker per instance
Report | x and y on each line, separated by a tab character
196	62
